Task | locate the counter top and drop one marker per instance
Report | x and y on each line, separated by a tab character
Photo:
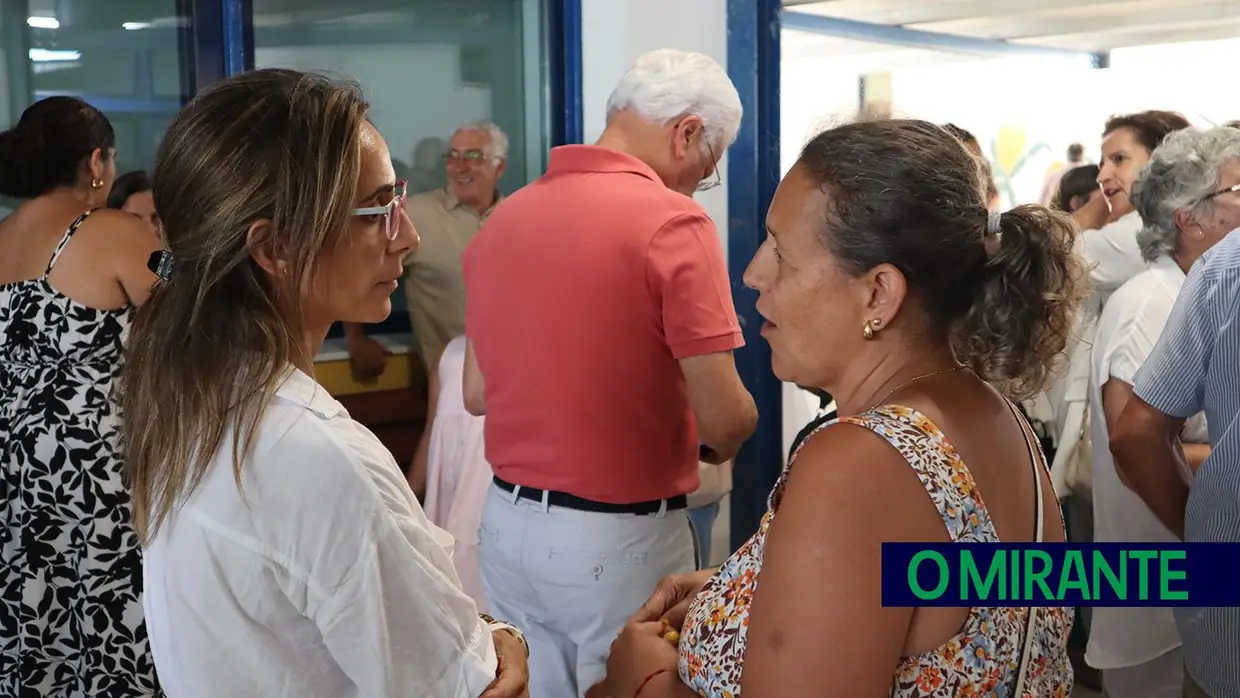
336	349
403	367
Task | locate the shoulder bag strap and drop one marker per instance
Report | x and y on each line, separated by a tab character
1022	674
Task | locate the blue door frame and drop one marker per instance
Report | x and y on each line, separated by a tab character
218	42
753	173
564	71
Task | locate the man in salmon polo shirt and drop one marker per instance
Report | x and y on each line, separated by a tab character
601	331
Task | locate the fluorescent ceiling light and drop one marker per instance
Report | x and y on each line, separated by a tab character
43	22
43	55
134	26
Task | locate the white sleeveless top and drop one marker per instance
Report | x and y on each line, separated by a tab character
457	472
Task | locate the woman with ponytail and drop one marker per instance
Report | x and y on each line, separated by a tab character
886	281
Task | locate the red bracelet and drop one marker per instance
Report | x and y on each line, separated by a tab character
650	678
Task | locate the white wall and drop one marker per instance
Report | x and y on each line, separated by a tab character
815	93
397	79
615	32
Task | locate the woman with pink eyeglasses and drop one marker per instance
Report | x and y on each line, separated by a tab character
285	553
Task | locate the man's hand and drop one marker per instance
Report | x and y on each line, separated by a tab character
723	408
671	598
706	454
512	676
367	358
1149	460
1094	214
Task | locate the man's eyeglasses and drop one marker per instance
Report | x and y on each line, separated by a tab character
716	178
469	157
391	203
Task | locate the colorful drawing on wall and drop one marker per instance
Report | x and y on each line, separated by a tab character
1009	152
1055	168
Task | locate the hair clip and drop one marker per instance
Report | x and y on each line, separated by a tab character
161	263
993	219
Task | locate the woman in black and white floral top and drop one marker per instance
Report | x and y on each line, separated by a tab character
70	568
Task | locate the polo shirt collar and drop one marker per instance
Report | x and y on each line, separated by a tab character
593	158
300	389
451	202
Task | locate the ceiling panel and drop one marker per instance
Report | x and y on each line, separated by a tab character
1141	36
906	12
1088	25
1110	19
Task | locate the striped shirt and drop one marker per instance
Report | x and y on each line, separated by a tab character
1196	366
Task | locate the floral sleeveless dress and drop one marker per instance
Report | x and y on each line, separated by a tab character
71	621
982	660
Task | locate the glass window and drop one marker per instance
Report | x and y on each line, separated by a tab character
425	66
121	57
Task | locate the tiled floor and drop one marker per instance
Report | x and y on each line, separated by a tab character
1082	692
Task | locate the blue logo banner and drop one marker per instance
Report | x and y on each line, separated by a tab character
1061	574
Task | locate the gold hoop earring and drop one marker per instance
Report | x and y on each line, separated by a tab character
870	329
96	183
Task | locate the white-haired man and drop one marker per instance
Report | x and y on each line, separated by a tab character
446	220
601	331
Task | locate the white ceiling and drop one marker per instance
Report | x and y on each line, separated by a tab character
1089	26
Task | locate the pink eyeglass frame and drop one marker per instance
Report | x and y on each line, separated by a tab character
390	211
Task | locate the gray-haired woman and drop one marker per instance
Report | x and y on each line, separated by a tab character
1188	197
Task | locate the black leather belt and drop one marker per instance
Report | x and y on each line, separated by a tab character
568	501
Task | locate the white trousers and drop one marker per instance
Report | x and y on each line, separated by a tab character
1161	677
571	579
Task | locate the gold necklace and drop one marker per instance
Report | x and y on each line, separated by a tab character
913	380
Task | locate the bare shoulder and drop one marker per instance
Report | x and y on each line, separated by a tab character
848	472
120	221
122	244
114	234
845	451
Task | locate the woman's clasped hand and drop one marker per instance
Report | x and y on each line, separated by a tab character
644	650
639	653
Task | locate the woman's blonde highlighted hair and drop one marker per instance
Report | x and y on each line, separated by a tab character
210	347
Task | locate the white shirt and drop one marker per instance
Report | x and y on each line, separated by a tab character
1113	257
325	580
715	482
1127	331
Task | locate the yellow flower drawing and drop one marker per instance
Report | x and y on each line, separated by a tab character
1009	151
